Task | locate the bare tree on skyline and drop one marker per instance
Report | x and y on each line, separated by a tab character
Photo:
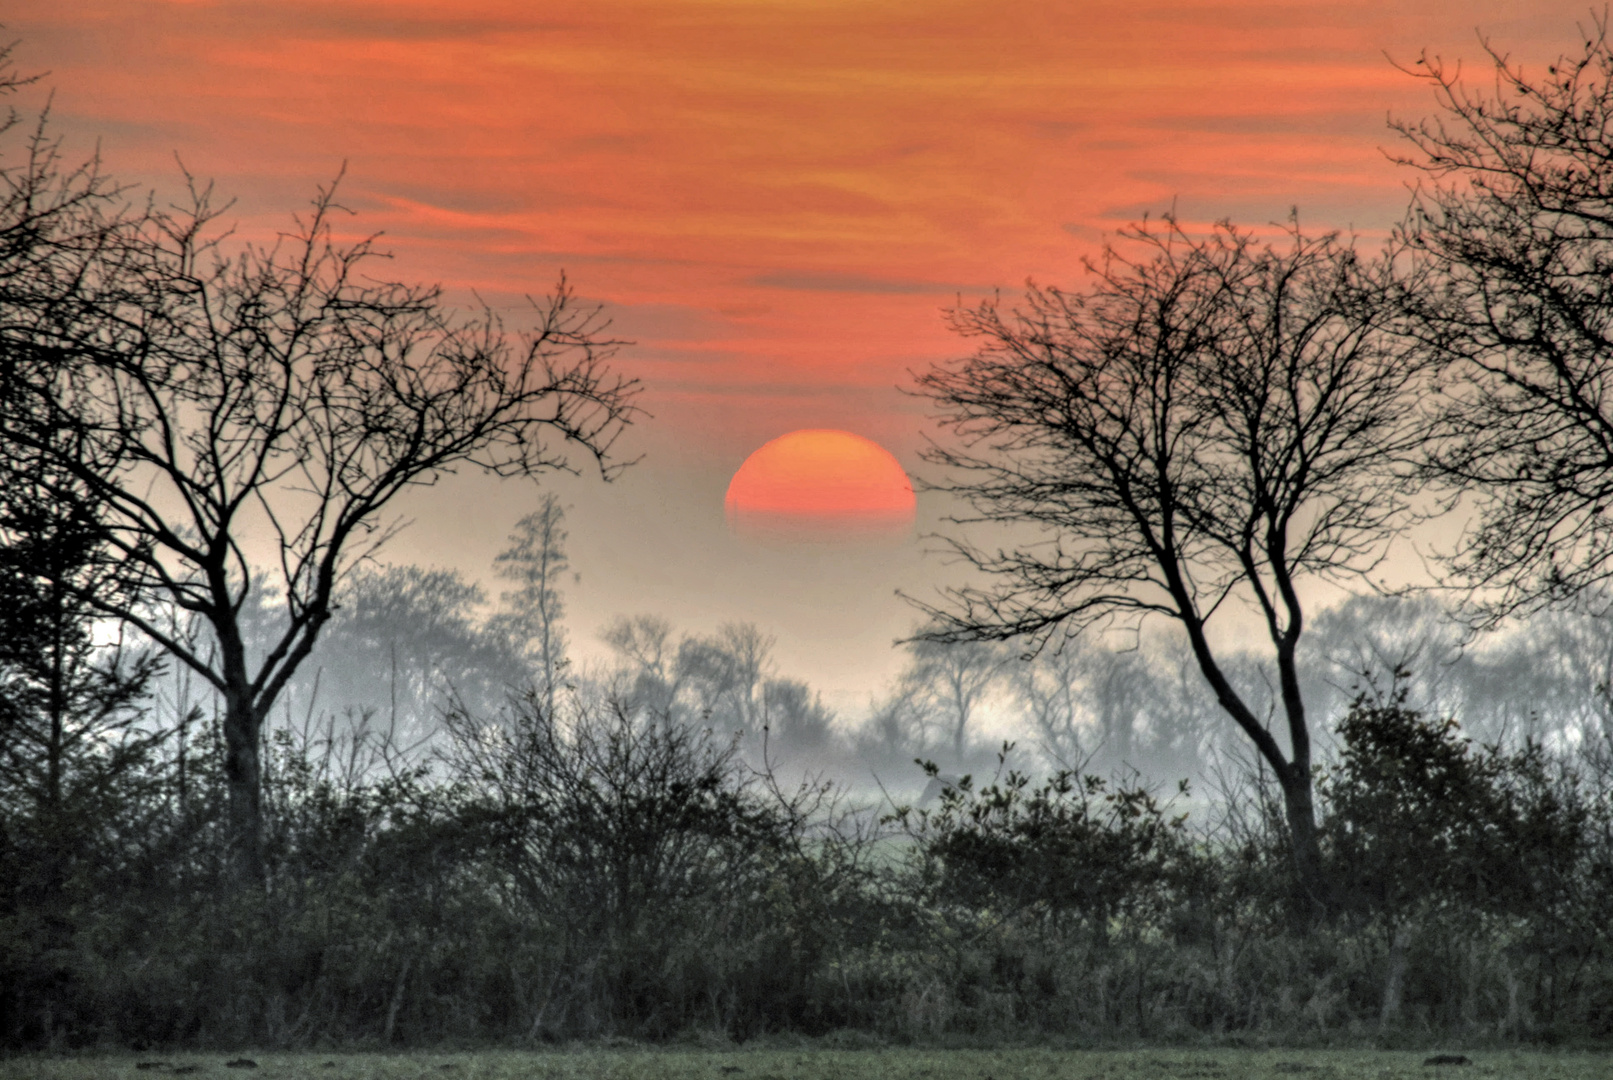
1211	423
536	560
1513	237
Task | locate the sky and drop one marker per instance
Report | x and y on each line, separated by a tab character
773	200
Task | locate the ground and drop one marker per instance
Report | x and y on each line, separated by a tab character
821	1064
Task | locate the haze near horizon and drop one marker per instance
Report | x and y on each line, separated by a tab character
773	203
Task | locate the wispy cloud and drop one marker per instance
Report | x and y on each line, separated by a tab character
808	281
795	185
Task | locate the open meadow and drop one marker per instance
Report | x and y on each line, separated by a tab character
818	1064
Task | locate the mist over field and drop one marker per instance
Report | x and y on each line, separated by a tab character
408	645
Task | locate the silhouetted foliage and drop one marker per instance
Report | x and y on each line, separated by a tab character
1423	830
1418	818
1070	849
74	755
659	866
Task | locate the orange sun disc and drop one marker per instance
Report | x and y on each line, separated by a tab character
819	484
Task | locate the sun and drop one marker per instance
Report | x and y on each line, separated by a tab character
820	484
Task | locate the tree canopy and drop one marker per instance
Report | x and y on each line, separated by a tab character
203	396
1212	422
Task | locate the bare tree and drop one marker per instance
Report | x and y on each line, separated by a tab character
403	643
1544	680
1052	692
243	420
952	680
1512	239
725	677
1139	709
932	707
1212	423
536	559
718	681
895	733
646	663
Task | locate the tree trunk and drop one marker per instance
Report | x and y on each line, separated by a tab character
1394	983
397	1001
1312	894
1299	802
242	778
1293	777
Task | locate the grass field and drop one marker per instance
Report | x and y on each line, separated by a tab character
817	1064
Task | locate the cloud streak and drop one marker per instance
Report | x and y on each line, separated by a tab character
831	169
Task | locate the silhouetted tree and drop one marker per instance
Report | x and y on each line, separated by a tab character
402	642
724	677
932	707
536	559
895	733
213	401
647	663
717	680
796	716
1420	820
1052	693
77	760
1512	241
950	682
69	703
1544	678
1380	635
73	753
1097	708
1209	424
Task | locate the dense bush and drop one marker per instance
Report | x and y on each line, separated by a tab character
1441	847
1069	852
596	872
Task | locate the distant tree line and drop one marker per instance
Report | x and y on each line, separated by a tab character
259	786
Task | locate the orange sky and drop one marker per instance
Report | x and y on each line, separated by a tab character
777	195
773	197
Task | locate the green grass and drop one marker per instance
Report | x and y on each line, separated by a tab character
821	1064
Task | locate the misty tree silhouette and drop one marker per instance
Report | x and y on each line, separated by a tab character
1216	418
536	560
